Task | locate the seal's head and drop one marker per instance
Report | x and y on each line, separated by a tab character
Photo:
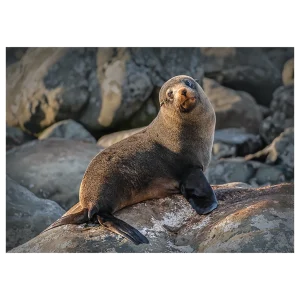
183	96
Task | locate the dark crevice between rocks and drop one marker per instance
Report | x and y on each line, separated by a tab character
39	115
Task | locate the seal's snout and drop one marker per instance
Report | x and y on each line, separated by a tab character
185	99
183	92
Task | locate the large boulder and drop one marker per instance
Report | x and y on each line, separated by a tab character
233	108
68	129
26	214
51	168
282	114
37	96
16	137
246	220
253	70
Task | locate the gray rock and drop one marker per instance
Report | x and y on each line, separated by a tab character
233	108
51	168
26	214
253	70
112	138
280	152
246	220
245	142
254	173
14	54
288	72
222	150
15	137
266	112
68	129
145	115
230	170
282	114
268	175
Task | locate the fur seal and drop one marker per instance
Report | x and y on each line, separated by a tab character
168	157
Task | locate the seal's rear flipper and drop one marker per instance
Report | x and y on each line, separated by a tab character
75	218
120	227
196	189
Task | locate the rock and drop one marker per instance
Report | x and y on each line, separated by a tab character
233	108
265	111
47	85
14	54
51	168
145	115
230	170
268	175
246	220
26	214
15	137
130	76
102	88
282	114
222	150
240	169
245	142
254	70
68	129
288	72
112	138
280	152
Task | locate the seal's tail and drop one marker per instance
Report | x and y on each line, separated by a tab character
76	215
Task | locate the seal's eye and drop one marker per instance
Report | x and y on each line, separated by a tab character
170	94
189	83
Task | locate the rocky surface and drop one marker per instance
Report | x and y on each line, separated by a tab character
67	96
14	54
26	214
16	137
282	114
110	139
246	220
280	152
51	168
238	168
68	129
233	108
254	70
238	139
116	88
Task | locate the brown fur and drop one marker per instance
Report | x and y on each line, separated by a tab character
150	163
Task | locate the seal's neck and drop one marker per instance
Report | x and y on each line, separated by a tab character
178	135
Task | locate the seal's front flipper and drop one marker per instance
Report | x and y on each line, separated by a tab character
120	227
196	189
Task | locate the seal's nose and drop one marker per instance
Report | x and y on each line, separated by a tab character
183	92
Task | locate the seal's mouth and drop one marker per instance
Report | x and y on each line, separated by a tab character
187	105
